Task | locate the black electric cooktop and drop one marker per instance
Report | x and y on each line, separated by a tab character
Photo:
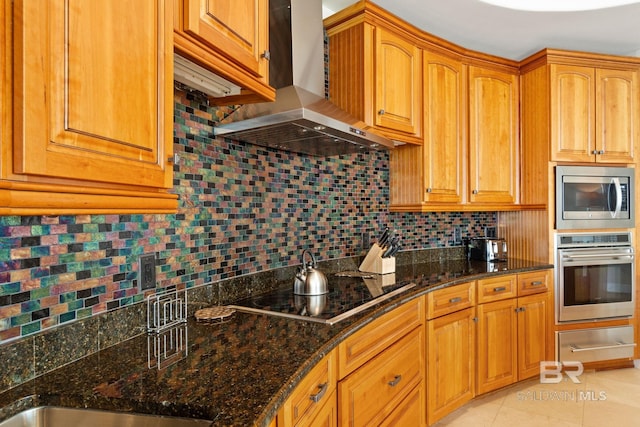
349	293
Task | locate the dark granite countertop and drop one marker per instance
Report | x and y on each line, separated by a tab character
235	373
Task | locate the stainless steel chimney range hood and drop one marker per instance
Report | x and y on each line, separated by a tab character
300	119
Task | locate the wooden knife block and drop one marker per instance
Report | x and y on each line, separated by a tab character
374	263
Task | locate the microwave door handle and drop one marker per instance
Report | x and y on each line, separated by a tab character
618	188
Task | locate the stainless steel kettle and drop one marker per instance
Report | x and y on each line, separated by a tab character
309	280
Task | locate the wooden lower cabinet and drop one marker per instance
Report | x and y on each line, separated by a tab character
388	387
313	402
325	416
497	335
512	340
450	363
534	313
401	369
410	412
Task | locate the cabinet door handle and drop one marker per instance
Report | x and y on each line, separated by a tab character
266	55
455	300
500	289
594	151
394	382
175	159
537	283
381	111
429	190
322	390
475	191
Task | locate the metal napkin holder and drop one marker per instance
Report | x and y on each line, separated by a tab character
167	340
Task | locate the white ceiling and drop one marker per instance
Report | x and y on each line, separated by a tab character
515	34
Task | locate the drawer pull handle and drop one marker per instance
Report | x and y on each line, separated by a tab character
500	289
537	283
394	382
455	300
576	349
320	394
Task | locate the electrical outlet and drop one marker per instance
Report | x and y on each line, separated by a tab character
490	232
147	271
457	235
365	241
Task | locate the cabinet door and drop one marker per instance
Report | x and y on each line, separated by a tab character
450	363
398	95
493	136
533	312
497	345
237	29
443	128
616	115
93	91
572	113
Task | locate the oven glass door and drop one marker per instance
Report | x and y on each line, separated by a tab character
596	283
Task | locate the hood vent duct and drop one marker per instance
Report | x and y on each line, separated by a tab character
300	119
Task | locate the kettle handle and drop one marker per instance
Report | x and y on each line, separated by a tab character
313	259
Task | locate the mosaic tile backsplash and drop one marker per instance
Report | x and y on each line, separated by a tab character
242	209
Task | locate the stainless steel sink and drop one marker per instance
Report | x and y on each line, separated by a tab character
49	416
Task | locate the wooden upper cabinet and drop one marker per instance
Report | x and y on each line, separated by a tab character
375	74
229	38
236	28
398	101
572	111
92	107
616	115
493	136
593	114
444	125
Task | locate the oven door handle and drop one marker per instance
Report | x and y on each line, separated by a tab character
599	256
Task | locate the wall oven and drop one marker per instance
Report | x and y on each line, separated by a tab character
596	276
594	197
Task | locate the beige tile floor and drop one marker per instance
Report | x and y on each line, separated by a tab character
603	398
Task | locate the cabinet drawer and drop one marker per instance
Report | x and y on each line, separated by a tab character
496	288
311	394
378	335
450	299
533	283
371	393
410	412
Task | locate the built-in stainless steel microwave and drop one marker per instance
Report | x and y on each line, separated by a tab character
594	197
